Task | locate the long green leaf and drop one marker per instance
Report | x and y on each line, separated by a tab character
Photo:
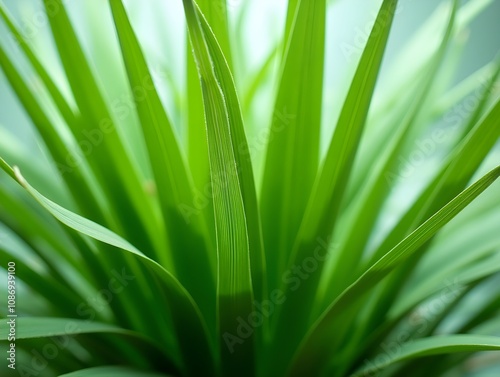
324	204
234	277
215	13
38	327
112	371
189	242
396	91
376	188
62	104
243	162
130	204
432	346
191	330
41	327
453	176
77	182
317	346
292	154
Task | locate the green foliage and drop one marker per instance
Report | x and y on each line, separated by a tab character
169	240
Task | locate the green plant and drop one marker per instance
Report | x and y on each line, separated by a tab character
201	268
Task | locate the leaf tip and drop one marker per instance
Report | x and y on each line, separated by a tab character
19	177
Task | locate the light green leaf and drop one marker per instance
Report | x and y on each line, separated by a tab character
112	371
191	329
189	240
61	103
292	155
452	177
215	12
38	327
317	345
244	164
234	286
129	205
323	207
433	346
377	188
77	181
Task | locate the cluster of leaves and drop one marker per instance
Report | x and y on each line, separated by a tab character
138	254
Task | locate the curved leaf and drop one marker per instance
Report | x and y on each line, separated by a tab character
433	346
234	285
324	204
292	154
190	250
191	329
112	371
38	327
317	345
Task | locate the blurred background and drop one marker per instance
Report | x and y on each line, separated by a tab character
257	25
